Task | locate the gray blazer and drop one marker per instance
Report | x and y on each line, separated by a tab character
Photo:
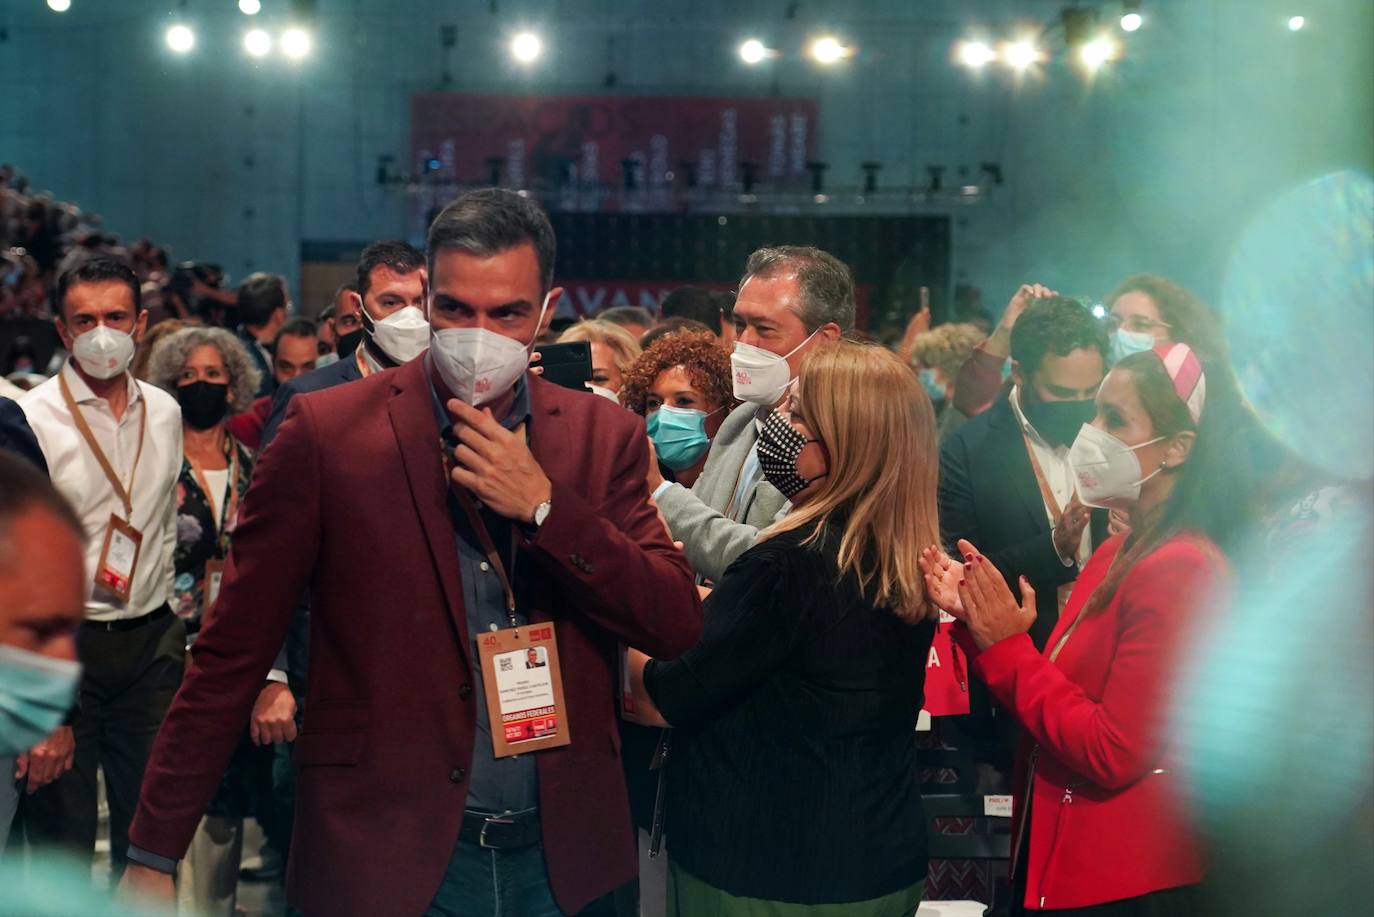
697	517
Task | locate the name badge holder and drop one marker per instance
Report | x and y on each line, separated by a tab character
224	525
520	668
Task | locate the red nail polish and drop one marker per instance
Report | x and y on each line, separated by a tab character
968	566
968	557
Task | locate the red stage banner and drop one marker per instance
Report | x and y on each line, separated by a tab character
546	141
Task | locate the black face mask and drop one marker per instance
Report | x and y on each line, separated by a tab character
1059	421
203	404
347	343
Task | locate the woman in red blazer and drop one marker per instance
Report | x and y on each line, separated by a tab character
1102	825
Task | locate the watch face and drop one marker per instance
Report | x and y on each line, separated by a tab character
541	512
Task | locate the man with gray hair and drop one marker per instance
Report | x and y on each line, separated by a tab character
791	298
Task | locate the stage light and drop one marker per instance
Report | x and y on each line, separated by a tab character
1099	311
754	51
295	43
1296	23
250	7
1097	52
975	54
1130	15
59	6
181	39
1020	54
257	42
526	47
828	50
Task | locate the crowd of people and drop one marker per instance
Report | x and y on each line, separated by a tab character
658	646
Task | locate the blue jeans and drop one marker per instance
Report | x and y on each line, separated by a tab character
495	883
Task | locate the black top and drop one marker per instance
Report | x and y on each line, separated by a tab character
792	775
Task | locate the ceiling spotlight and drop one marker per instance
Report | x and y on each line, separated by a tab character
1020	54
828	50
1130	15
295	43
59	6
181	39
754	51
975	54
526	47
1097	52
257	42
1296	23
250	7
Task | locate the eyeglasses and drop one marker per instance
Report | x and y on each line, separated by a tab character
1137	323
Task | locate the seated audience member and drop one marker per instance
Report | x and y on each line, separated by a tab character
263	305
791	300
695	303
294	353
613	350
791	785
211	375
632	318
681	386
936	357
675	326
1104	776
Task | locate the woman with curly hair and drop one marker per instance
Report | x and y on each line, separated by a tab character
681	385
212	376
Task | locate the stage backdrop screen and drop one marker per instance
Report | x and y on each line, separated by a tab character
548	141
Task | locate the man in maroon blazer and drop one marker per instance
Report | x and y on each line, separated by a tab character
402	807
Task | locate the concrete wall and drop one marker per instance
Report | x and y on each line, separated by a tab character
1156	164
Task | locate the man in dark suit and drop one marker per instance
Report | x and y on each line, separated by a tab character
402	801
391	278
262	308
1005	480
17	437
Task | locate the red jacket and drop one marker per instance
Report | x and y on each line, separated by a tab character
247	426
1108	813
350	501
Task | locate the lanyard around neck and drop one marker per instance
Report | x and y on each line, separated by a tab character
229	504
125	494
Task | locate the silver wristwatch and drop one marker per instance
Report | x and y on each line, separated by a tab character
541	512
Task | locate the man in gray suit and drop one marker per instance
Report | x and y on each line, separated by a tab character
791	299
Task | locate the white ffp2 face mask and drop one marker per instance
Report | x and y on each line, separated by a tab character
478	365
1107	471
403	335
761	376
104	352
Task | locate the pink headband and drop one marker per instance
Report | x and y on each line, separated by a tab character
1185	369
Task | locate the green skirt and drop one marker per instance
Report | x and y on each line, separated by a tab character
688	896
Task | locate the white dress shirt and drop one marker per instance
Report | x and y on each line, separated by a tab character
77	475
1054	465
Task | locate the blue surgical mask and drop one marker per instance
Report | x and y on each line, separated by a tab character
36	692
679	435
1124	343
930	381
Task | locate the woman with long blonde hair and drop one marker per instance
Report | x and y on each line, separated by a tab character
791	784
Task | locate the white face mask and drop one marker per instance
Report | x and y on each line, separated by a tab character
1124	343
403	335
1106	469
103	352
479	365
761	376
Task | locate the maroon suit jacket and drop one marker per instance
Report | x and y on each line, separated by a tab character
247	426
350	502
